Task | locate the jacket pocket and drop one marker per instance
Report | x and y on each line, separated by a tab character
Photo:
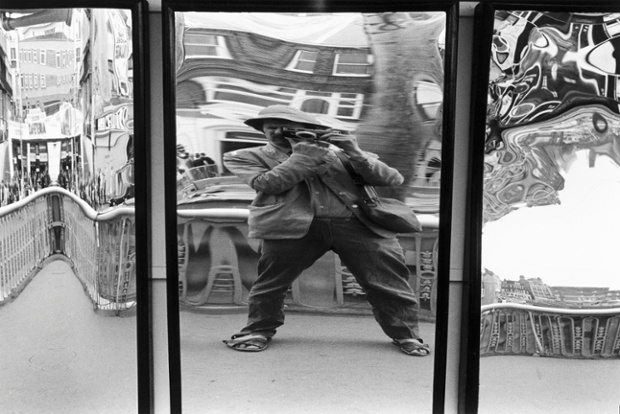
264	217
278	220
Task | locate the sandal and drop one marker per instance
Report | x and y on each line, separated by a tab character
413	347
248	343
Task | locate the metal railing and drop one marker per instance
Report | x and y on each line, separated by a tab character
515	329
218	264
54	223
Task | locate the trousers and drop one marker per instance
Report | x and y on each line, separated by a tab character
377	263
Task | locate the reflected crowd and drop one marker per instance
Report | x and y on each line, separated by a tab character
92	191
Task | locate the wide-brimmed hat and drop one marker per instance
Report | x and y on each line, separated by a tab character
282	112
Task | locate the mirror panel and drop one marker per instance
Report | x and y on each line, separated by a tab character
379	75
551	189
68	285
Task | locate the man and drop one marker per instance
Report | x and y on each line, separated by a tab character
305	206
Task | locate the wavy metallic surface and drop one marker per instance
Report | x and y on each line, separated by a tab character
553	91
553	102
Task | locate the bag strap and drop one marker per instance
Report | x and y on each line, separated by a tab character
367	193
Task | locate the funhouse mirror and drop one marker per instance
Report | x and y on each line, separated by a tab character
377	75
67	219
551	190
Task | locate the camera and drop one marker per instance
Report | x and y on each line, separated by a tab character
306	134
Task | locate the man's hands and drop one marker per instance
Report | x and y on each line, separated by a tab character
328	143
314	149
347	142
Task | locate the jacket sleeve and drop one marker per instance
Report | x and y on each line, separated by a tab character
255	172
376	172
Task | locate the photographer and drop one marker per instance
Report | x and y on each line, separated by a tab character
305	206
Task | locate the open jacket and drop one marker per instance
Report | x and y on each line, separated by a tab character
282	207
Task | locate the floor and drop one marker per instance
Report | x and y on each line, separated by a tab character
61	358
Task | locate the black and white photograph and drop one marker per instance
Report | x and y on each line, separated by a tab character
309	207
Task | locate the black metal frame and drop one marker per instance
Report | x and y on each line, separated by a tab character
169	7
470	335
139	12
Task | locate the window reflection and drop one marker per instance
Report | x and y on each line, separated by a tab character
328	66
67	254
551	185
353	72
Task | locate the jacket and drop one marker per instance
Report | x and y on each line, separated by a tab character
282	207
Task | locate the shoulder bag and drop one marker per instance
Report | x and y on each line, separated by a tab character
389	213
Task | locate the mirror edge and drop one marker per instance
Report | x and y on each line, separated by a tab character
451	8
143	205
469	376
470	311
139	10
170	206
445	208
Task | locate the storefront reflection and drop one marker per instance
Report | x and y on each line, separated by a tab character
67	195
354	72
67	104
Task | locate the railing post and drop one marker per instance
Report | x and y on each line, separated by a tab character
56	223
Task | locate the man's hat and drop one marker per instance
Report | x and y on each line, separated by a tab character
282	112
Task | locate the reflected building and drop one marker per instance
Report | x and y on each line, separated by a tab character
584	297
534	291
8	62
108	104
230	71
46	61
539	290
67	105
514	291
8	58
47	140
68	117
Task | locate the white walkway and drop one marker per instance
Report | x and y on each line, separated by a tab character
58	356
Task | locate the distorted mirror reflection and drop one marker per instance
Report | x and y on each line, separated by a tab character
550	282
66	216
377	75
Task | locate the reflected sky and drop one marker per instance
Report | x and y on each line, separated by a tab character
568	244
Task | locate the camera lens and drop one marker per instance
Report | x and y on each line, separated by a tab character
305	135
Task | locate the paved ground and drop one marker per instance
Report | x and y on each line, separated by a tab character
531	385
56	358
316	364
